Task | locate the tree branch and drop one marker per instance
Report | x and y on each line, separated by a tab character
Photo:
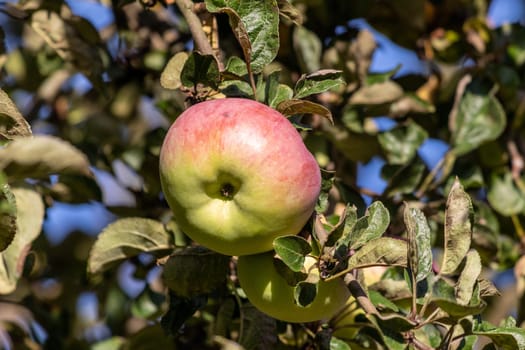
199	37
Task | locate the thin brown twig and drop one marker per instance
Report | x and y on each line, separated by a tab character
359	294
199	36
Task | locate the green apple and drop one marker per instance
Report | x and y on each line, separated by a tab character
344	322
236	175
269	292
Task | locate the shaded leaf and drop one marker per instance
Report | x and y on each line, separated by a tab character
200	69
403	179
12	123
171	75
256	26
40	156
317	82
380	93
381	251
29	219
504	196
290	12
458	228
194	271
401	143
304	293
308	48
468	277
293	107
126	238
292	250
291	277
410	103
480	118
420	252
260	330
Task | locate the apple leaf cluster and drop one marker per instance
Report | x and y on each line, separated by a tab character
413	110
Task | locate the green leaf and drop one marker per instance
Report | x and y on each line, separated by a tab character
113	343
12	123
381	251
444	296
126	238
148	305
370	226
403	179
171	75
317	82
480	118
420	250
41	156
29	219
468	278
274	93
200	69
458	228
293	107
504	196
292	250
259	329
308	49
7	216
376	94
304	293
236	67
410	104
338	344
256	26
401	143
195	271
506	338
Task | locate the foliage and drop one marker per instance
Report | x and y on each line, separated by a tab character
439	231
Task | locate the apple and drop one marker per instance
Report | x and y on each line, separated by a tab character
269	292
236	175
344	323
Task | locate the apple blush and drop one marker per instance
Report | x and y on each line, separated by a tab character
237	175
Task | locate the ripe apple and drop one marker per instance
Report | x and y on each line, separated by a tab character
236	175
269	292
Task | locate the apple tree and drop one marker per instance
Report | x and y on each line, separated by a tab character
271	174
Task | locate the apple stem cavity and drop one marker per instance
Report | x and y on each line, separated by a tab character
227	191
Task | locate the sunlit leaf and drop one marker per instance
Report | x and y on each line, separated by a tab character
292	250
293	107
380	251
41	156
317	82
29	219
420	252
126	238
444	296
7	216
506	338
375	94
458	228
256	26
371	226
468	277
480	118
12	123
171	75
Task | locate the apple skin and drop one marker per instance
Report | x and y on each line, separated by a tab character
269	292
237	175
